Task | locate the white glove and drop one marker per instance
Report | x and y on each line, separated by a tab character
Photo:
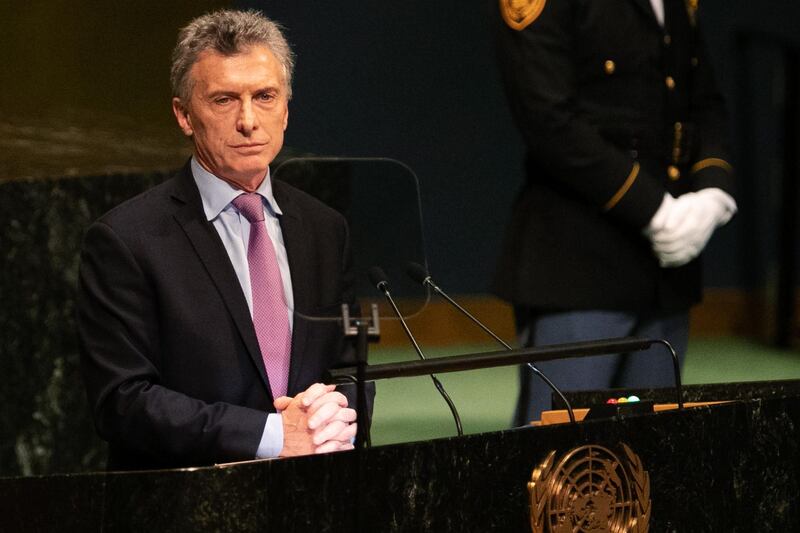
681	227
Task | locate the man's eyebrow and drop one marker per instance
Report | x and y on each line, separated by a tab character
229	92
221	92
270	87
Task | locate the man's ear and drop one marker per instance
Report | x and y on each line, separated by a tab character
182	116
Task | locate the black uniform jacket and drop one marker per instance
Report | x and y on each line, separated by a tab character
615	110
169	353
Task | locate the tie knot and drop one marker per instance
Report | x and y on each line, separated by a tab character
249	204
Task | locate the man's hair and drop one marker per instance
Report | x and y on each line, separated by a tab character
227	32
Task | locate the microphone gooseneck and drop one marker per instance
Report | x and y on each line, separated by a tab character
378	278
418	273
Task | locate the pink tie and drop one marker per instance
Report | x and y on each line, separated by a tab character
269	304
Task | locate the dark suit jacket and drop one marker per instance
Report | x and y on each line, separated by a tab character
597	89
169	353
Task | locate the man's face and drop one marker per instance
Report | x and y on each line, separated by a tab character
237	113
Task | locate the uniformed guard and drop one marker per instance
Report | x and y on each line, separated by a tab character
627	178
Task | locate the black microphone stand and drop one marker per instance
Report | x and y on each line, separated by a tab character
378	277
364	330
418	274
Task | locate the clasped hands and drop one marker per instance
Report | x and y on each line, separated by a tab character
316	421
682	226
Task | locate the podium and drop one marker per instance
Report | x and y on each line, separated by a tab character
731	467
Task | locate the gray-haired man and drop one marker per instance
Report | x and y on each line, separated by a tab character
195	348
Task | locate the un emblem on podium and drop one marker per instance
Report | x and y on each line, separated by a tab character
590	490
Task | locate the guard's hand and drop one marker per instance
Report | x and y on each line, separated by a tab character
682	227
660	218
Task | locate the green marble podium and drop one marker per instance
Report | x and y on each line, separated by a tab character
732	467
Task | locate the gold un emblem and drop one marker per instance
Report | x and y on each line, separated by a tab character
590	490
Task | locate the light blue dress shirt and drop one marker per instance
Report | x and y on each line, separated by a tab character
234	230
658	9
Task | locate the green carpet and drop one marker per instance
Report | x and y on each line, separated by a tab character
410	409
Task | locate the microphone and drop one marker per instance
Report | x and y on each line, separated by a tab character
378	278
419	274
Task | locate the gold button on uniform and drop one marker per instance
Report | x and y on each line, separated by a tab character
695	61
609	66
667	39
673	172
670	81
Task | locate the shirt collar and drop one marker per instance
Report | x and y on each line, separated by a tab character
217	194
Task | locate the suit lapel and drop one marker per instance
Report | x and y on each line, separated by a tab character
646	9
298	251
212	254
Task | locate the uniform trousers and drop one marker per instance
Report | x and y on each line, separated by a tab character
649	368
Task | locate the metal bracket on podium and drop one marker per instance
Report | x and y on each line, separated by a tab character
365	330
351	323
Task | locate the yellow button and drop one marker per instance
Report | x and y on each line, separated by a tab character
673	172
695	61
667	39
609	66
670	81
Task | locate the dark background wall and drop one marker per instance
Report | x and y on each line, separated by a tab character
84	86
414	81
756	48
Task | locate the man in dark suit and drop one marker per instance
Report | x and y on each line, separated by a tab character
196	297
627	178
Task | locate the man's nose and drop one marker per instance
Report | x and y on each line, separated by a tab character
247	118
